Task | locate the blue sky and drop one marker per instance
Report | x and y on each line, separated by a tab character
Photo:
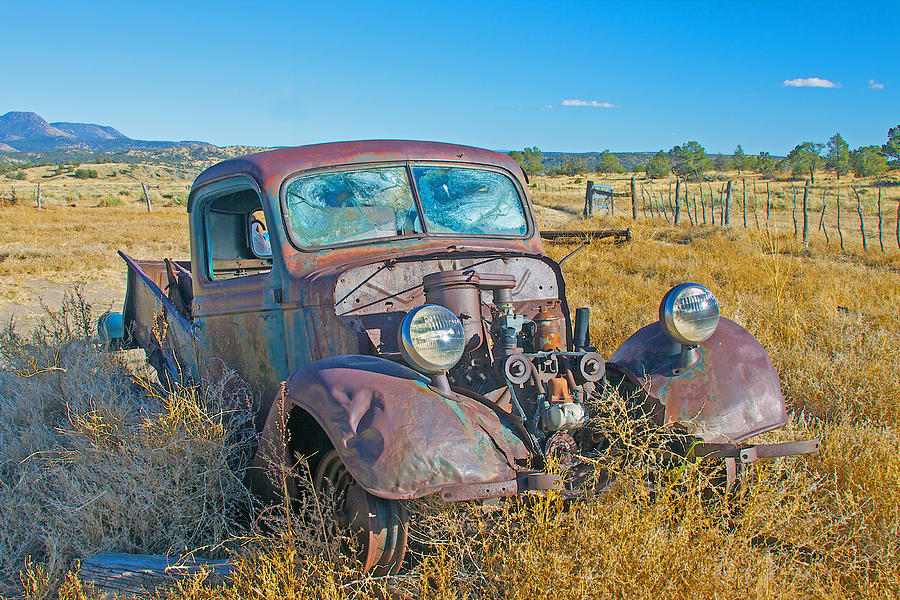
636	75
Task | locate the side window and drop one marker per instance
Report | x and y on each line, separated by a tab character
237	239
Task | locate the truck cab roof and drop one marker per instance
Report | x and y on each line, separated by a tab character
272	167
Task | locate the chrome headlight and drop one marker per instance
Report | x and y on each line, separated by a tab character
689	313
432	338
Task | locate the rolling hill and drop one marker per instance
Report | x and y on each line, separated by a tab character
22	131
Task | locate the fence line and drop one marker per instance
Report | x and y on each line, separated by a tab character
663	204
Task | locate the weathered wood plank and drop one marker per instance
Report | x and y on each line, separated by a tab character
140	574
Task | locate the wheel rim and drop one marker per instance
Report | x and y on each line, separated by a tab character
379	526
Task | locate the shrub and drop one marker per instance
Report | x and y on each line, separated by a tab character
95	457
868	161
86	173
658	165
110	201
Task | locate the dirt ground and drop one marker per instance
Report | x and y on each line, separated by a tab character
32	293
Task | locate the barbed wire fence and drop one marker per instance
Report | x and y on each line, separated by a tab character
866	214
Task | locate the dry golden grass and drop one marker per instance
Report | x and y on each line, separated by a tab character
116	183
566	194
95	457
820	526
61	246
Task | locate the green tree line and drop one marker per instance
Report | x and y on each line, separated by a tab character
691	160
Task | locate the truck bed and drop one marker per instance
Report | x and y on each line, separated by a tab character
151	320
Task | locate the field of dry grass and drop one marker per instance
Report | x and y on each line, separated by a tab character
116	184
43	253
822	526
567	194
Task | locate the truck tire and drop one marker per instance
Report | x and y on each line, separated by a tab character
380	526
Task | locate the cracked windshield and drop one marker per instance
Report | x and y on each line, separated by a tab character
469	201
349	206
333	208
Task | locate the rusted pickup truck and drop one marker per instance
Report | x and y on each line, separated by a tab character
391	305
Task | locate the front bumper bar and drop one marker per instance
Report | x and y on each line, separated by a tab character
519	485
739	457
749	453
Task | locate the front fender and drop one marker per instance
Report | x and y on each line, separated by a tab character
731	394
397	436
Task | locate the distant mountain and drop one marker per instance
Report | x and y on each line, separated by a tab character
29	132
89	131
15	126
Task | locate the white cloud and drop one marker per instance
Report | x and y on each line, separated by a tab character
810	82
591	103
873	85
547	107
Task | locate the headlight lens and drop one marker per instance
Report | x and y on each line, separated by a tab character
432	338
689	313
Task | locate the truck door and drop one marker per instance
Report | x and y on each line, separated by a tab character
237	302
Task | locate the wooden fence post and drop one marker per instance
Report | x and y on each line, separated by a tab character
662	202
677	202
794	210
727	207
721	206
702	205
822	216
755	205
880	230
862	225
633	201
146	196
840	233
744	200
768	205
588	199
806	215
687	203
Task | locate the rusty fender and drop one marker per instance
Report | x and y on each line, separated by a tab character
398	437
731	394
